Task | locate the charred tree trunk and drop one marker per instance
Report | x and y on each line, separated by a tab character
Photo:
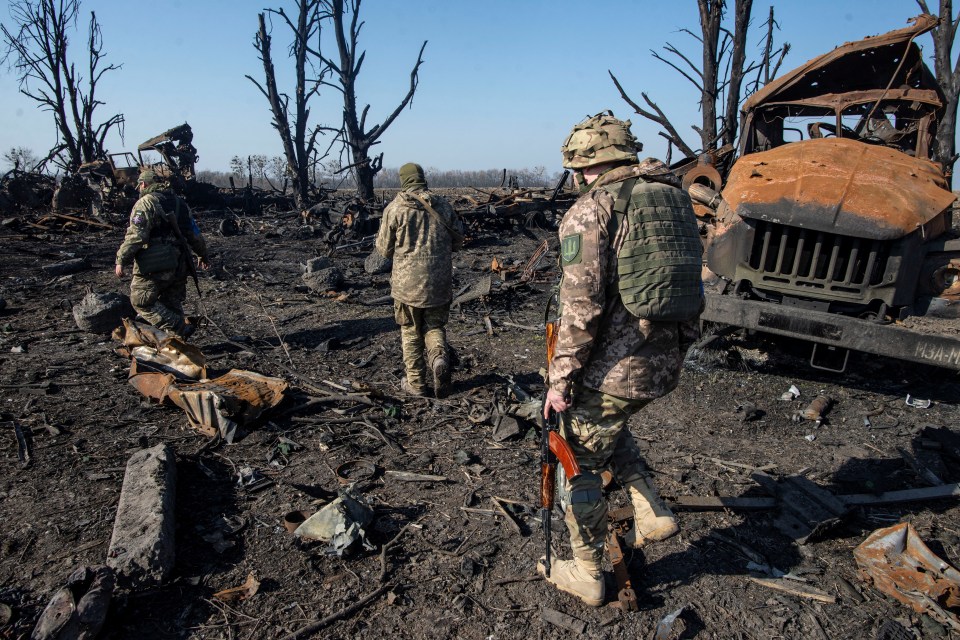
298	146
738	58
354	133
39	52
711	13
948	76
719	77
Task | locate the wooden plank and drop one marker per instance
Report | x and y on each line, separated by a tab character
718	503
563	621
821	495
905	495
793	588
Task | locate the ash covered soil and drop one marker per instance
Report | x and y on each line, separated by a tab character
454	566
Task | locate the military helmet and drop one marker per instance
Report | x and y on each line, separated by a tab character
598	139
147	176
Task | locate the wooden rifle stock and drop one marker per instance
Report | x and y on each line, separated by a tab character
564	454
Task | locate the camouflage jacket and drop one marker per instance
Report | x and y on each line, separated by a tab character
149	224
421	248
600	344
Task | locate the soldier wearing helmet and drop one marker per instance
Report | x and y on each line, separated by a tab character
159	256
630	297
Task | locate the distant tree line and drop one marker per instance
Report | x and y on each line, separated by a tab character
262	172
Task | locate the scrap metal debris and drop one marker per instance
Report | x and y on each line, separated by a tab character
339	524
237	594
222	405
165	368
154	350
78	609
898	563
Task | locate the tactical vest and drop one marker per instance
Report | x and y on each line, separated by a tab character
658	266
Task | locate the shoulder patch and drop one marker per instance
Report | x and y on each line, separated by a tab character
570	249
138	218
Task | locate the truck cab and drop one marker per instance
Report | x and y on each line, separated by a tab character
835	224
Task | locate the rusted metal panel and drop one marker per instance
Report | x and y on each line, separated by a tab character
840	101
900	565
921	24
840	186
222	404
155	350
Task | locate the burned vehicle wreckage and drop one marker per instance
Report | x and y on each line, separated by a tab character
834	225
113	180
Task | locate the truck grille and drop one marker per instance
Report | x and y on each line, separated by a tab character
791	258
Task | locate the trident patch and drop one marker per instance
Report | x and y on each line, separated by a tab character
570	249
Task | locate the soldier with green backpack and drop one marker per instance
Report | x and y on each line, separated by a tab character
630	298
158	242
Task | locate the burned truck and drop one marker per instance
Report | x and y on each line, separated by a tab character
834	225
114	178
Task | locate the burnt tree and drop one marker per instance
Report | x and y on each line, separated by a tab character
354	135
37	46
299	144
719	77
947	71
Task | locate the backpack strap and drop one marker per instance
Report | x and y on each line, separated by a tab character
619	213
620	207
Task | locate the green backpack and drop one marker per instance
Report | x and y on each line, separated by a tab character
660	261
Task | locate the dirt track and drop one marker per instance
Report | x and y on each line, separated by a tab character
458	569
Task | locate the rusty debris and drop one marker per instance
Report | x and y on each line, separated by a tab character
896	562
154	350
222	405
166	369
816	410
245	591
79	609
617	525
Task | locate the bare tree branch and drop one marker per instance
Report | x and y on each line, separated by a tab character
47	75
657	116
356	138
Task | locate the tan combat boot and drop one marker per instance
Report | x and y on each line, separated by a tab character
407	388
441	376
580	578
653	519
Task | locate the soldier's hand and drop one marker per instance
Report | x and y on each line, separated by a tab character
118	270
554	401
203	263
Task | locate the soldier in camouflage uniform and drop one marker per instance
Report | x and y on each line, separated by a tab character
609	362
420	230
160	261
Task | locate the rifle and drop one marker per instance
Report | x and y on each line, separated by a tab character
184	245
553	447
359	243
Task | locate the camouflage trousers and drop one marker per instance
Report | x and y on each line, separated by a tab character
422	333
159	299
596	429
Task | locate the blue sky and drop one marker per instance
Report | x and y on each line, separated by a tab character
502	83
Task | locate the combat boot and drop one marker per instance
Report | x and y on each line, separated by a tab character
578	577
188	330
441	376
405	387
653	519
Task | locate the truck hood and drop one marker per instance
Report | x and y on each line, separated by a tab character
838	185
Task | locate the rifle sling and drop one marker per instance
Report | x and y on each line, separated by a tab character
456	235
